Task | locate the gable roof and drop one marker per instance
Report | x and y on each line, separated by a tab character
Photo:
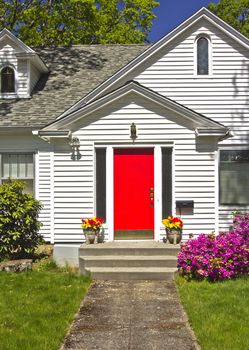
25	51
133	91
5	33
203	13
74	72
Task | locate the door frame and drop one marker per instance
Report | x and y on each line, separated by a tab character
157	180
147	160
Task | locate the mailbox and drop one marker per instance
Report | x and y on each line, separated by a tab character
185	207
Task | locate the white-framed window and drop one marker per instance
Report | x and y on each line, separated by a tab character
18	166
234	177
7	80
203	56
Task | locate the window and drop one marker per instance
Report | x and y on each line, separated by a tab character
202	56
7	80
234	177
101	182
166	181
18	166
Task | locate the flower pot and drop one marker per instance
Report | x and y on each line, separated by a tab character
91	236
174	236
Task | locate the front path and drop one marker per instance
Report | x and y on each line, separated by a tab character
134	315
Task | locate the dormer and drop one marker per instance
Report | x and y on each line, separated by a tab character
20	67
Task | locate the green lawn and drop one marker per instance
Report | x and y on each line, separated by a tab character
37	307
218	312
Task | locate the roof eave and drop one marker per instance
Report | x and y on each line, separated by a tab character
221	133
47	135
134	87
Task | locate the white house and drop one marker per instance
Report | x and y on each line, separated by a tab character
131	133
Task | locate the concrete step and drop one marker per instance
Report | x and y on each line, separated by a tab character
129	261
132	273
142	249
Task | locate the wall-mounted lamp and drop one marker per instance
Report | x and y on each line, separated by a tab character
75	145
133	131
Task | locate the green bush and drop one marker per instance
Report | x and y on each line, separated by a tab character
19	225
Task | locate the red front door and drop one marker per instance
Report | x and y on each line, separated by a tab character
134	193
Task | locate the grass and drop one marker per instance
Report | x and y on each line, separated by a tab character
218	312
37	307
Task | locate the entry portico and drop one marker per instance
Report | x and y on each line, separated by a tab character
136	181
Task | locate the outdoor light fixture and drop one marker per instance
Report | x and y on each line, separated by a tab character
75	145
133	131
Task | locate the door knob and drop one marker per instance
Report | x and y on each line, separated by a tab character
151	197
151	193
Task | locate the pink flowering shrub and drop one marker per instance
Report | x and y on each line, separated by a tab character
217	257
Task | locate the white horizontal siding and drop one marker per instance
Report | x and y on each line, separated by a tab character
194	172
73	193
223	96
34	77
7	55
23	78
44	178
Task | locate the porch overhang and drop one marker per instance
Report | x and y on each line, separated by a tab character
221	133
47	135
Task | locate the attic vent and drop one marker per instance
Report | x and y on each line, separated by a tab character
7	80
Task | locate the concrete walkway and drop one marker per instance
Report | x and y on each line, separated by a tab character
136	315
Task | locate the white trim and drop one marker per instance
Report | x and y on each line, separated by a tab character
210	56
230	207
173	182
109	191
52	196
37	176
16	77
216	184
28	78
18	42
157	191
157	183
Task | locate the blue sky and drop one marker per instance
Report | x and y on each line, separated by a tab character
170	13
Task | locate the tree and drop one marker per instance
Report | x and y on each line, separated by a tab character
234	12
67	22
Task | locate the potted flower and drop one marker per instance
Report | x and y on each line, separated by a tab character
91	228
173	227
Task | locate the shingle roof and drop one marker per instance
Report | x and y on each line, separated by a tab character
74	72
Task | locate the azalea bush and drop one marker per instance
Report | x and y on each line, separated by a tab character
94	223
172	222
217	257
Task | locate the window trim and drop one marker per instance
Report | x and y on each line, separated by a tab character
9	94
210	65
34	166
229	205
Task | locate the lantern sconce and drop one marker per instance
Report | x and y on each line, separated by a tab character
75	145
133	132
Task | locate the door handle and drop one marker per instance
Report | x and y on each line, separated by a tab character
151	194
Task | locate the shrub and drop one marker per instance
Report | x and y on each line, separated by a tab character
19	225
217	257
